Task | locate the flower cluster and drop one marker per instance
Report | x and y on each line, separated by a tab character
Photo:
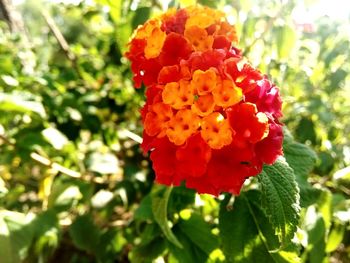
210	118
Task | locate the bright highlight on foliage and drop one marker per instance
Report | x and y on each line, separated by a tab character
210	118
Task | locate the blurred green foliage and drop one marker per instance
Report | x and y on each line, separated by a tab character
75	187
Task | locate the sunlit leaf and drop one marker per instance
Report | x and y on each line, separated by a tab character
302	160
199	232
285	39
9	80
335	237
19	102
55	138
101	198
16	235
184	3
316	230
5	248
103	163
280	198
160	208
299	157
246	234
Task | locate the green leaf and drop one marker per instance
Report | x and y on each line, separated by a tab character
299	157
115	7
141	16
16	235
45	222
111	242
237	230
302	160
103	163
246	233
317	254
9	80
316	231
47	233
184	3
148	252
85	233
246	5
285	39
342	177
30	140
325	164
181	198
21	102
101	199
280	199
6	248
159	209
144	211
199	232
249	26
325	208
123	32
152	245
63	195
306	130
56	138
335	237
210	3
3	188
150	232
190	253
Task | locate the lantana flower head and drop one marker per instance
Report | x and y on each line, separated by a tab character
210	118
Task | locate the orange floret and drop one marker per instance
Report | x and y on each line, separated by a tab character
227	94
182	126
153	34
248	123
178	94
144	31
202	17
156	120
185	72
201	20
228	30
204	105
155	43
216	131
203	81
199	38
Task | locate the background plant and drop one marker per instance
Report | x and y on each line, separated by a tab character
75	187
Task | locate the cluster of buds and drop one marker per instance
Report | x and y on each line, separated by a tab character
210	119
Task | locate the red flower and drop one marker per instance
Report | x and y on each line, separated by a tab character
222	42
169	74
207	59
271	147
175	48
175	23
250	126
164	159
193	158
266	98
210	118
